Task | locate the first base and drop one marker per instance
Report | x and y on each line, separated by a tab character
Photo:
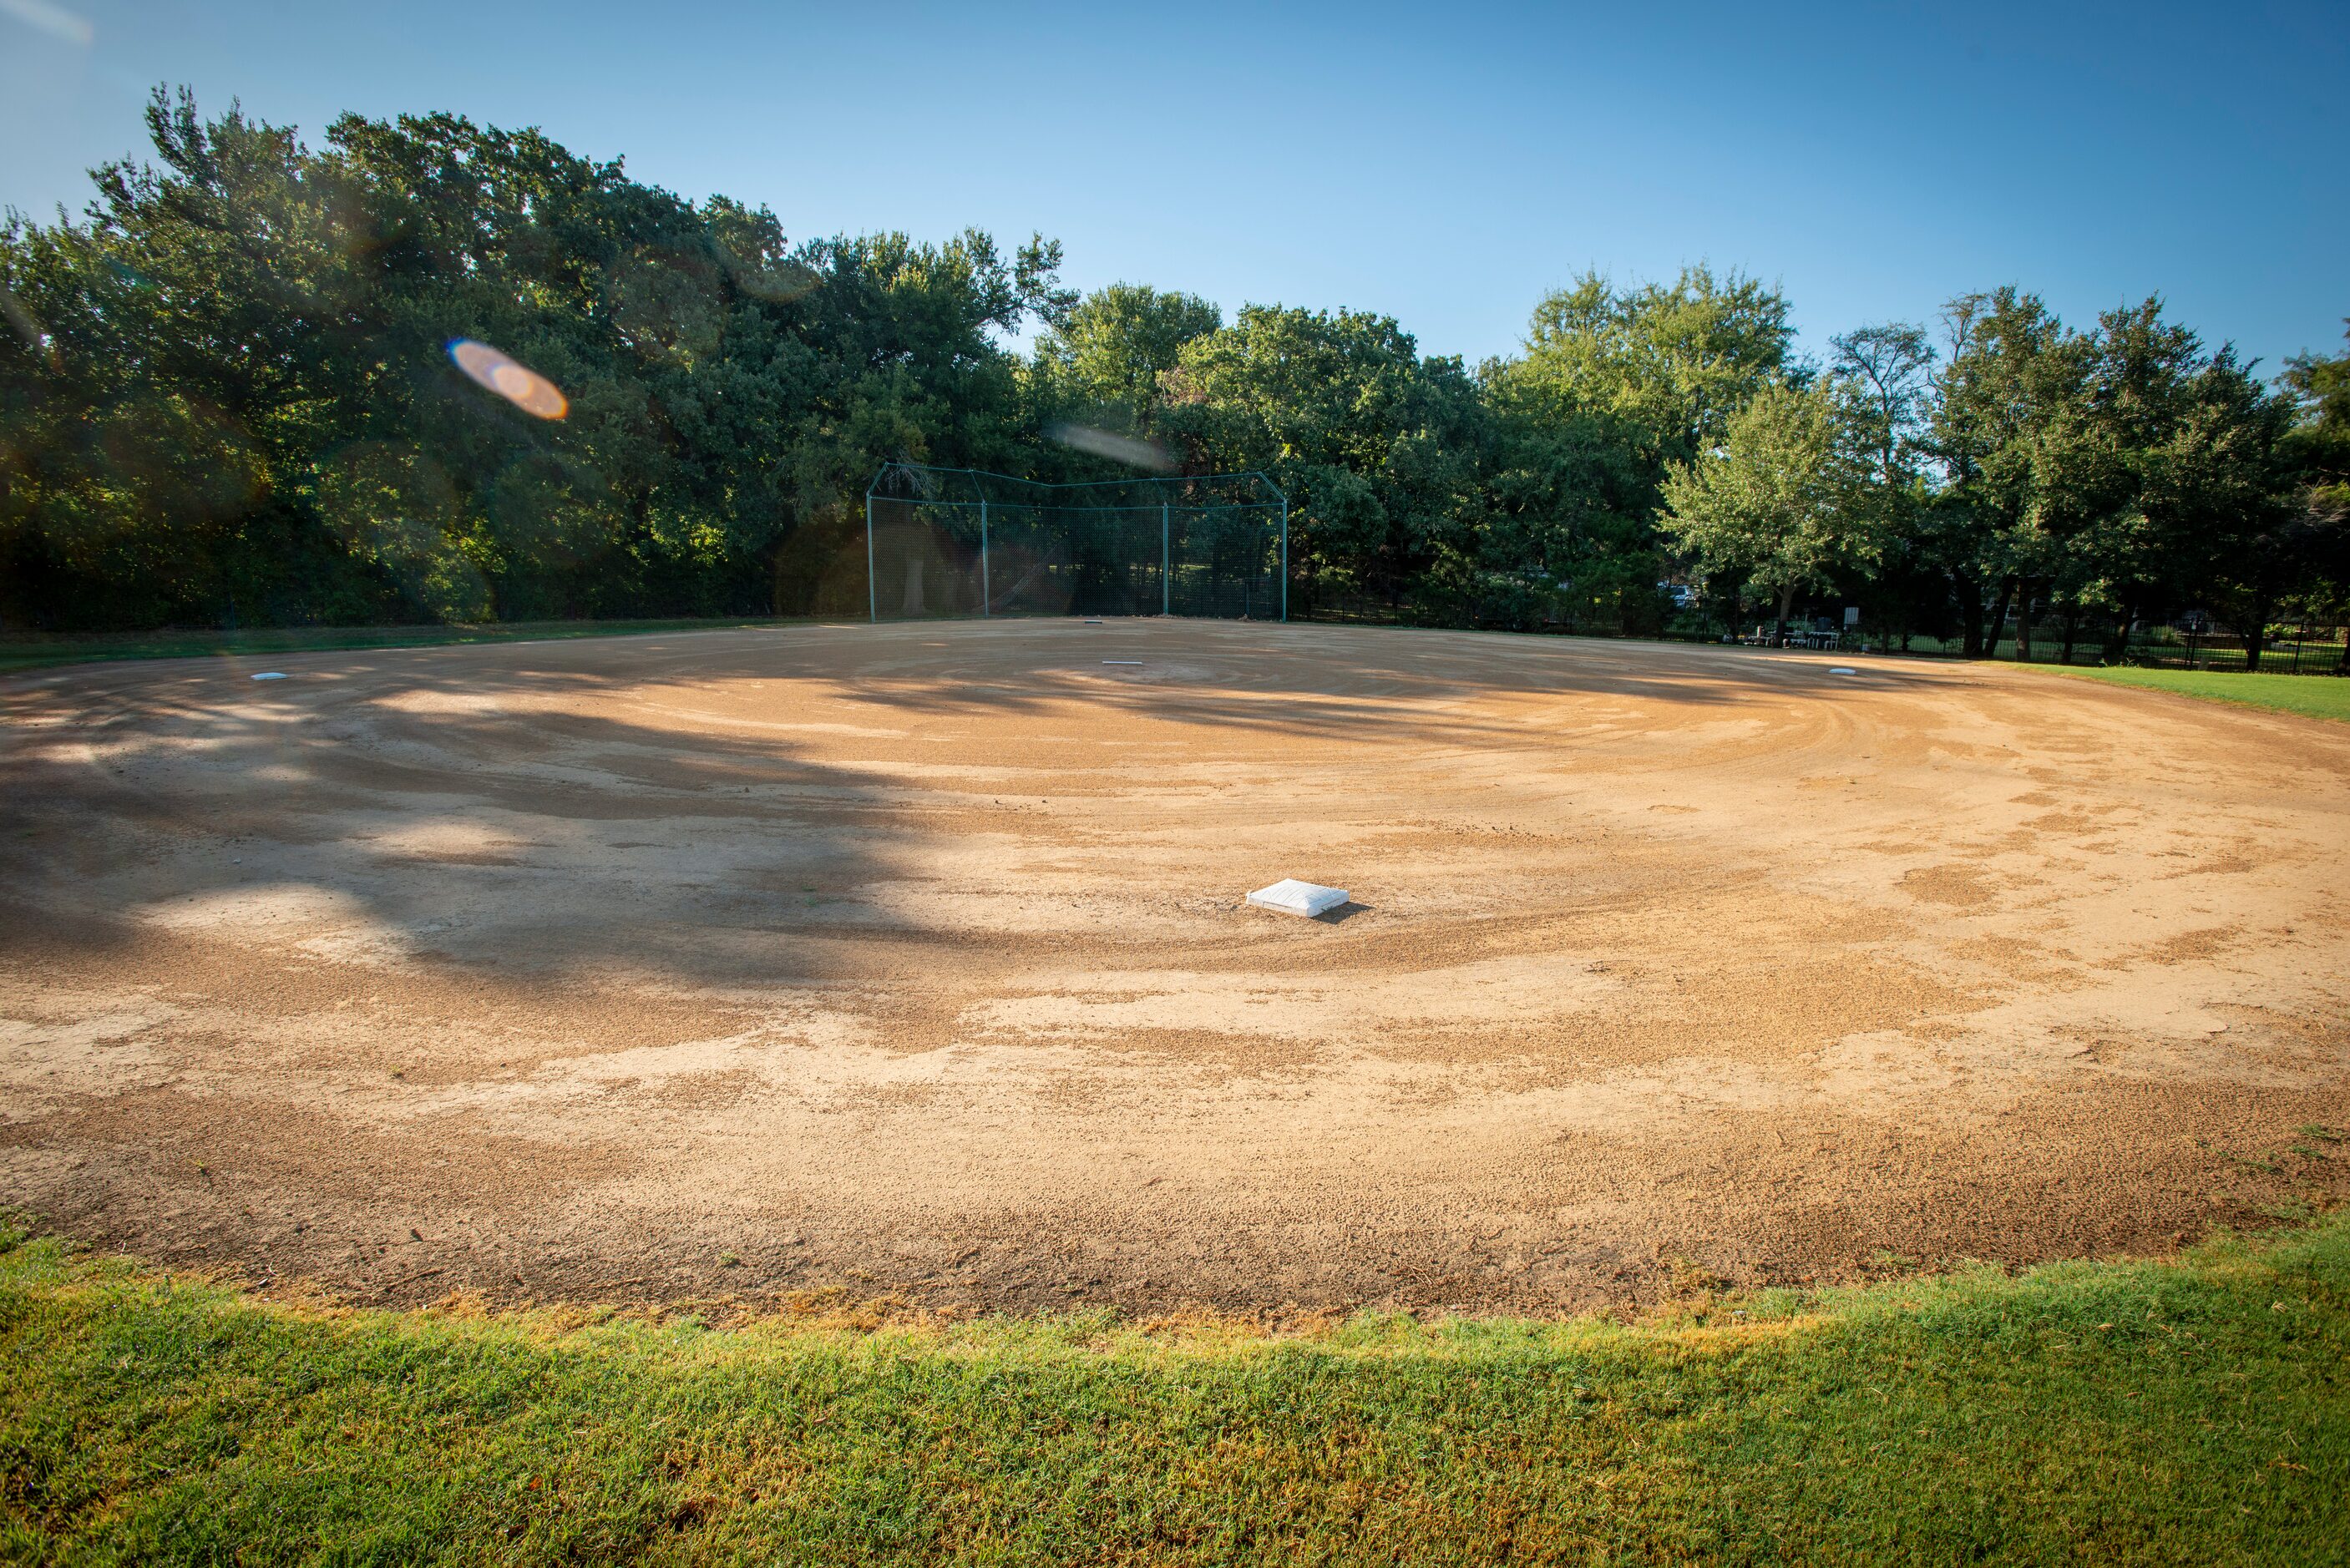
1292	896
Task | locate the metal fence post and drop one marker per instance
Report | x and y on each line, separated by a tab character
1284	558
1163	597
872	591
985	595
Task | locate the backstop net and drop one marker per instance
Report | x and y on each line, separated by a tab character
951	542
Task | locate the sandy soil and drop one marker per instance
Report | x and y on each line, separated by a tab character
913	960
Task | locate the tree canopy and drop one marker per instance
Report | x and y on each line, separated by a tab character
1773	503
259	381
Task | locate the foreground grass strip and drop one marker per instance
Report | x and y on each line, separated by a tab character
2312	696
38	651
2189	1412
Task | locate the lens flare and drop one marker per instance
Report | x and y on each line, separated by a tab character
1141	454
36	338
55	20
524	388
777	282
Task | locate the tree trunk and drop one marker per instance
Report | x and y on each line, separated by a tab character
2072	631
2023	630
1786	597
2256	633
1970	612
1989	647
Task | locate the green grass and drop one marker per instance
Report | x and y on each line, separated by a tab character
34	651
2191	1412
2314	696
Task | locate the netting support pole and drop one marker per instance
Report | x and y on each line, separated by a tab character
984	594
1284	558
1162	558
872	591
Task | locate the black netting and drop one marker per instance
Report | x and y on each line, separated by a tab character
953	544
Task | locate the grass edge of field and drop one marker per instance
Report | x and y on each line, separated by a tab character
2135	1406
2323	697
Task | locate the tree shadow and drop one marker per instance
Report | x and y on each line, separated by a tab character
541	808
1341	683
409	811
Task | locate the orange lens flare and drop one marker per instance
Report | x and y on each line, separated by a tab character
518	384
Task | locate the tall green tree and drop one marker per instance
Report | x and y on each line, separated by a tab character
2011	366
1105	362
1615	386
238	402
1671	363
1377	450
2319	445
1883	377
2308	554
1779	504
2103	475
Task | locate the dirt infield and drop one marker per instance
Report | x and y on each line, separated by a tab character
913	961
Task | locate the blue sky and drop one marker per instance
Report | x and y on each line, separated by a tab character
1444	164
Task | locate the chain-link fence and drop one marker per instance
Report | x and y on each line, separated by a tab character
950	542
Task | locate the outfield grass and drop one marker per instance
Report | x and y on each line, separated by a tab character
35	651
2191	1412
2314	696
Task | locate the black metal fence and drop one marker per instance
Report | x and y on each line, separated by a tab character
2285	650
2193	642
2296	650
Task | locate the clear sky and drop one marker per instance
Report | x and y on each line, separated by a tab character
1443	163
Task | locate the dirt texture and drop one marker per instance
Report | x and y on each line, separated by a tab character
911	961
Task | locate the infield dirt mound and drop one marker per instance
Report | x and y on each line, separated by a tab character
912	959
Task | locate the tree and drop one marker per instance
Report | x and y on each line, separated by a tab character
1777	503
2106	473
2011	365
1885	373
1614	387
2319	445
2314	541
228	394
1672	364
1377	450
2230	482
1105	359
1883	376
238	402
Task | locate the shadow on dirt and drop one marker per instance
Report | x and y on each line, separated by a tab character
495	806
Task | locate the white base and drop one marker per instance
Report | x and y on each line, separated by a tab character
1291	897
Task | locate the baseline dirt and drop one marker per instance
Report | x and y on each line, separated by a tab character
913	960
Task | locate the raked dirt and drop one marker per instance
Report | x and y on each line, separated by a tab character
913	961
